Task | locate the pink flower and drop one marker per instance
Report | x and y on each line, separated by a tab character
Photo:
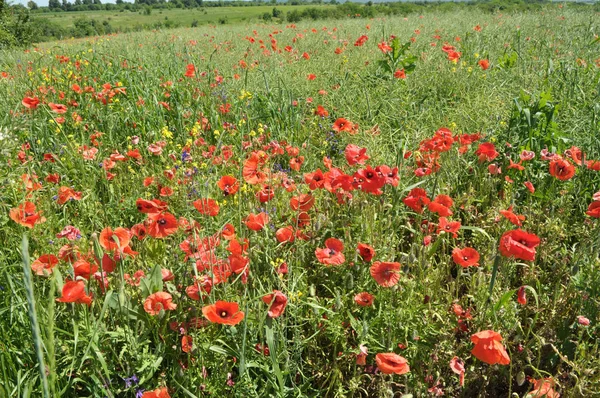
69	232
458	366
583	321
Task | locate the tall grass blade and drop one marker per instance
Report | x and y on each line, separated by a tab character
35	328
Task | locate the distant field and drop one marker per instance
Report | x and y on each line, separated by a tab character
183	17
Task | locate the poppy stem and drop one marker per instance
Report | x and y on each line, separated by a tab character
495	267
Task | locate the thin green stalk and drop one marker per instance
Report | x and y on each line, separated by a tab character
35	327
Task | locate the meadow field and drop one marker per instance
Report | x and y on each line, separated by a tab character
388	207
132	20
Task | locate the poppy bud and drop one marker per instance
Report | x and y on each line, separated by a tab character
521	296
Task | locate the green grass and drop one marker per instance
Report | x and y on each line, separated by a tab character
541	91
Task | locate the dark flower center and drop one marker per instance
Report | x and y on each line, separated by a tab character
223	314
162	221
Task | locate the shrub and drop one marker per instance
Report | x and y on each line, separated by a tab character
294	16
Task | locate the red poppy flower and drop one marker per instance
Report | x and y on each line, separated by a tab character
390	363
251	173
278	301
370	180
238	263
256	222
364	299
512	217
484	64
223	312
150	206
166	274
441	205
161	392
575	154
594	209
208	207
303	202
355	154
454	56
486	152
159	301
228	232
488	348
108	263
31	183
386	274
228	184
265	194
441	141
30	102
467	257
296	163
384	47
543	388
166	191
112	240
320	111
561	169
519	244
365	252
529	186
342	124
390	175
285	234
53	178
65	194
400	74
44	264
84	269
190	70
74	292
460	312
335	180
450	227
332	253
202	284
416	199
58	108
593	164
314	180
361	40
187	343
161	225
139	231
26	215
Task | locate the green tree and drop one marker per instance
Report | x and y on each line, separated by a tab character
15	26
32	5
